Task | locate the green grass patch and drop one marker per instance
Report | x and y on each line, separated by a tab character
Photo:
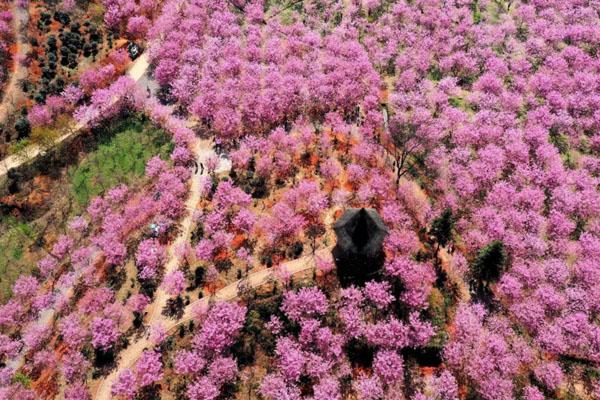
476	10
434	73
13	241
114	154
120	157
19	146
439	303
22	379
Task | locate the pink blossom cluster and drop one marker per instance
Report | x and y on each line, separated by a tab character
207	364
317	350
229	214
249	73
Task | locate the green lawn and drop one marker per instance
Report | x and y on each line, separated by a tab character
120	158
13	243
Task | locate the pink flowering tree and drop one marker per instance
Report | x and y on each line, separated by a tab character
150	256
148	369
174	283
125	386
104	333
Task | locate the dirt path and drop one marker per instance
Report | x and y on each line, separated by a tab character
455	277
136	72
12	91
131	354
202	150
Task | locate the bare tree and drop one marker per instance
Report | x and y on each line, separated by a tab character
404	138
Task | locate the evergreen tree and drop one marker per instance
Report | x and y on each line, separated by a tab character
490	263
442	226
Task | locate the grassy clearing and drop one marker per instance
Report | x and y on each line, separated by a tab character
14	243
117	154
119	158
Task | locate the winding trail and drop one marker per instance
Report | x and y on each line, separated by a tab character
202	150
129	356
455	277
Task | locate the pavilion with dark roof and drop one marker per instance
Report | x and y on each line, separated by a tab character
358	253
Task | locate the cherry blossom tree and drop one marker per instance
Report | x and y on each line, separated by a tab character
149	258
148	369
174	283
104	333
125	387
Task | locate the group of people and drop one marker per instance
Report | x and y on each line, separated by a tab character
196	168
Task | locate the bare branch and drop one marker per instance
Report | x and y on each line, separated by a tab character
290	5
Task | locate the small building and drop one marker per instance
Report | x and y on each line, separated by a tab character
359	254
